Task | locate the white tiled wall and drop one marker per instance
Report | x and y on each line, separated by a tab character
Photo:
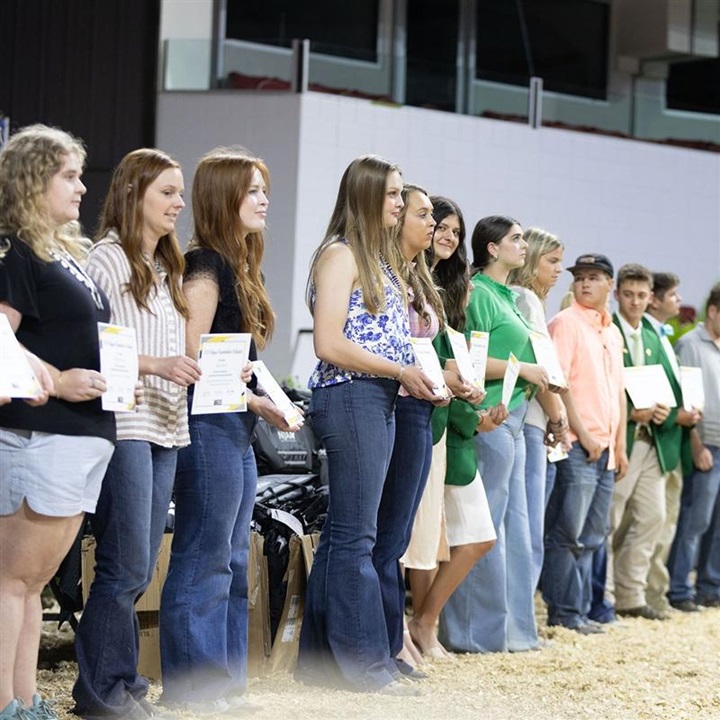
636	202
186	19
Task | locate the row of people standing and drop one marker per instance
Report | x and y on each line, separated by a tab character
649	564
359	282
492	609
613	502
370	291
138	265
66	457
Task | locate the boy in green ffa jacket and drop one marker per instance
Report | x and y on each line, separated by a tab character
637	512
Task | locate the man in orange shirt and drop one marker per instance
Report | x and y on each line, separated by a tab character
589	347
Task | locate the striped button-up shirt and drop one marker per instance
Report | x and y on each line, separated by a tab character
161	418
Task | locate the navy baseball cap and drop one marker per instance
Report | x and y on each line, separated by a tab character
593	261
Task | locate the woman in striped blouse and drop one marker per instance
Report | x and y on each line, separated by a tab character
138	263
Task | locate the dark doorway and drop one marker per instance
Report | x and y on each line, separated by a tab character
432	47
88	67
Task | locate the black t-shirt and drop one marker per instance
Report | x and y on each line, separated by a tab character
60	311
204	263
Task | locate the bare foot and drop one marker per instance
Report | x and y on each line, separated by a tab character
439	654
409	653
424	638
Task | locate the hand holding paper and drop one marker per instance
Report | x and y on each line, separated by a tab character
462	358
268	383
427	359
17	379
556	452
546	357
459	388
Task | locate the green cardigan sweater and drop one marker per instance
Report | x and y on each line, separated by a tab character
460	419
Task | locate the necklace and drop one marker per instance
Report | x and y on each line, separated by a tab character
394	280
78	272
153	262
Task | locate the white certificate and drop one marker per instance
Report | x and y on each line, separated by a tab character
429	362
119	365
462	357
479	342
555	453
693	391
647	385
510	378
17	379
546	356
267	382
220	388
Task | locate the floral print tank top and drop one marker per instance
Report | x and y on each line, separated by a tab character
386	334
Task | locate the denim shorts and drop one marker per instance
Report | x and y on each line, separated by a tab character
58	475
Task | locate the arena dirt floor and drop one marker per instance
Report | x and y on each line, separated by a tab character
638	670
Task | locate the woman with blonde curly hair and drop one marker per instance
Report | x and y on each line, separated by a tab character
137	261
52	458
204	619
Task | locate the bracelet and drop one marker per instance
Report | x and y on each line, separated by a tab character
58	380
400	373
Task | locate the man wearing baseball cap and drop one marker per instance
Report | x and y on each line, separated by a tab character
589	348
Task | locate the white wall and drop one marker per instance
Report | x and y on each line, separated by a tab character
189	124
185	44
634	201
186	19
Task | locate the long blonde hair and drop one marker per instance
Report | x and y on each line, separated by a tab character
417	274
221	182
123	213
358	218
540	242
28	161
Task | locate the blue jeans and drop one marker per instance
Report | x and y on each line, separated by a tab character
708	569
577	524
601	610
344	624
493	609
404	486
550	481
204	616
128	525
535	480
699	498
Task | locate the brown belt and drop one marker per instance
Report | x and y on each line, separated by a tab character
643	433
